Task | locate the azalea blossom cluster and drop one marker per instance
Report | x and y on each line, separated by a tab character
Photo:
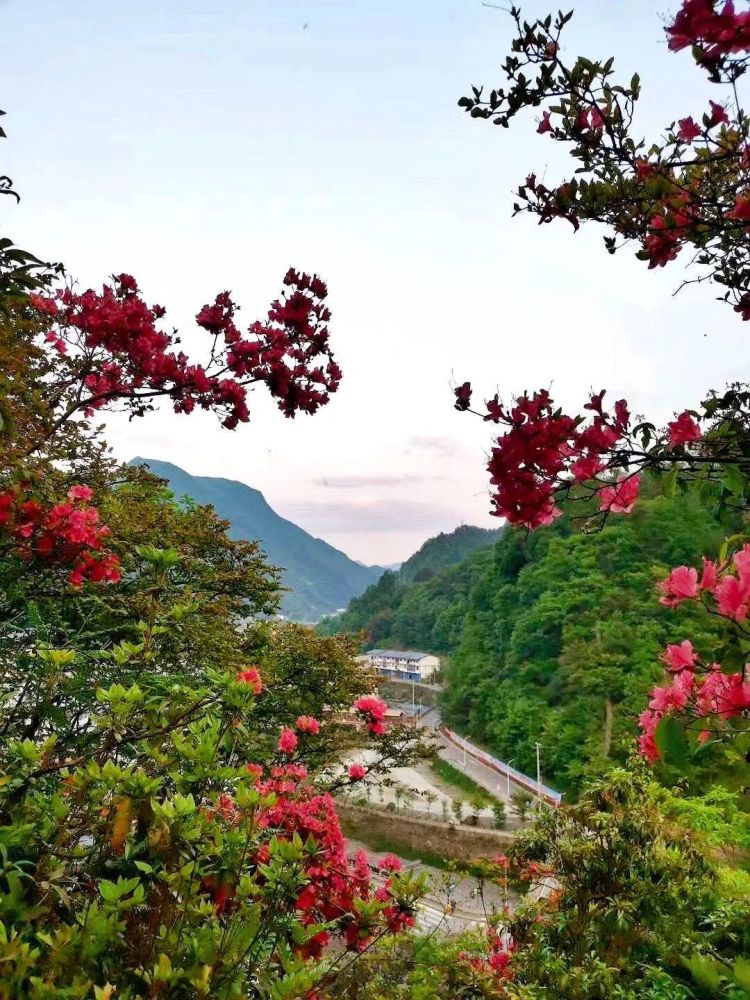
713	30
723	587
252	678
495	962
680	208
334	884
544	450
696	689
372	711
691	189
67	533
544	453
114	351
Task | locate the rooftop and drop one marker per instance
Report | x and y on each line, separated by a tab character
399	654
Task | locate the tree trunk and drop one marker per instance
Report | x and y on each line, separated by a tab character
609	714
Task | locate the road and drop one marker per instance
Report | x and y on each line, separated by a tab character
484	776
452	903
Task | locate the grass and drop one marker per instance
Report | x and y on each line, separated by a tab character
452	776
390	845
385	845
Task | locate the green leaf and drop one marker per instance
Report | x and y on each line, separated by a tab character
671	740
741	972
734	480
110	893
670	481
703	970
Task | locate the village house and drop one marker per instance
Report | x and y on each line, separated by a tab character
401	664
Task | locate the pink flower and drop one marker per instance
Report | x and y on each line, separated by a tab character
682	657
356	772
390	863
287	741
718	114
725	695
251	677
255	771
688	130
680	585
463	396
307	724
742	563
545	125
708	577
597	119
683	430
373	710
80	493
57	342
676	695
741	210
586	468
731	598
620	498
648	721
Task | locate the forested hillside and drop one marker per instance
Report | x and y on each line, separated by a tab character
444	550
423	603
563	631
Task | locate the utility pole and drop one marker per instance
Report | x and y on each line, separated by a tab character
507	775
538	748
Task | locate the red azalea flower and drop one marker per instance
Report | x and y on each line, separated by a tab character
287	741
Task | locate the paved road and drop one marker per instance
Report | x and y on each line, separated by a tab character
452	904
485	776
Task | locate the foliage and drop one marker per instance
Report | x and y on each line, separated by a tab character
687	189
635	902
445	549
562	635
417	615
167	826
635	912
690	189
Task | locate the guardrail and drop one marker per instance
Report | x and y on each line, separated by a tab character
548	794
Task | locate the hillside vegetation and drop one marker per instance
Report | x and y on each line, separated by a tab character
422	604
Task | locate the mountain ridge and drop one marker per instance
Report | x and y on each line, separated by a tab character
321	579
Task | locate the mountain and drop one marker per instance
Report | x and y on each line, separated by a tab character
320	578
419	605
446	549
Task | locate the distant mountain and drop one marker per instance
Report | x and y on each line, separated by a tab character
321	579
419	606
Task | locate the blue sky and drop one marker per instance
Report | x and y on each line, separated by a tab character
204	145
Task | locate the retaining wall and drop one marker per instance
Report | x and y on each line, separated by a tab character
457	843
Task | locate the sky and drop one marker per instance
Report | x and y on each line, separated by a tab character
208	145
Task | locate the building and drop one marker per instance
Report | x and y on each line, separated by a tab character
401	664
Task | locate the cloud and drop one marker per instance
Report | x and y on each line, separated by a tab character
378	516
371	482
436	445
